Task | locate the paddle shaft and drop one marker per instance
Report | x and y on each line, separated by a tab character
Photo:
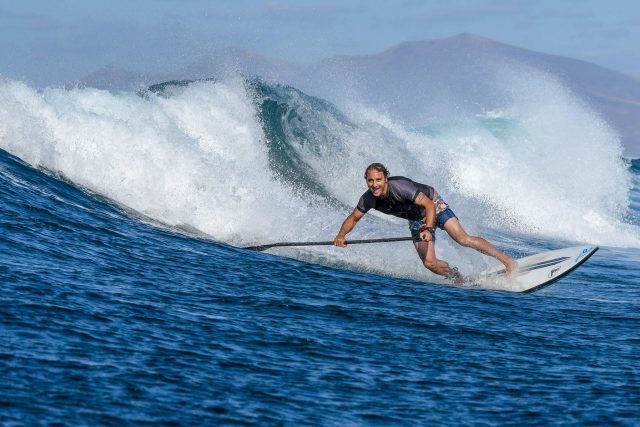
326	243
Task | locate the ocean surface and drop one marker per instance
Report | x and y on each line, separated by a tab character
127	299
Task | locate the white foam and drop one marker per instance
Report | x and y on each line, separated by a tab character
196	159
559	173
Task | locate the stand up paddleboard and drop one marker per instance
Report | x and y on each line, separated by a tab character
535	271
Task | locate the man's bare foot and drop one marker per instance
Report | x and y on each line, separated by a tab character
455	276
511	267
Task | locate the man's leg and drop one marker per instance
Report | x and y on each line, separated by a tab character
427	253
457	233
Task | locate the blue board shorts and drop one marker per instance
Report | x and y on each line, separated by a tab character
443	214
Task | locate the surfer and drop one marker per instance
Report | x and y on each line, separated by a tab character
425	209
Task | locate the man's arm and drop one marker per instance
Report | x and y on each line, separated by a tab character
347	226
429	216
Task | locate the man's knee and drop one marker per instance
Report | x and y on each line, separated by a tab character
467	240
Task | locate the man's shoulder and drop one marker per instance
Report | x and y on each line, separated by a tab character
402	188
400	182
398	179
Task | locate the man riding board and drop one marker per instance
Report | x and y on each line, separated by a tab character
425	210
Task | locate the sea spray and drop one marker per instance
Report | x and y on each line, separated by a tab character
196	159
557	171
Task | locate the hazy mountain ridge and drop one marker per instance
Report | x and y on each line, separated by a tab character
115	78
222	62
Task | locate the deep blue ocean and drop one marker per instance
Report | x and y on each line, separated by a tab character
127	300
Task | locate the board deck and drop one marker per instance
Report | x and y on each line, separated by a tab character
535	271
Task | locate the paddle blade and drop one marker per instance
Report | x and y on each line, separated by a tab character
257	248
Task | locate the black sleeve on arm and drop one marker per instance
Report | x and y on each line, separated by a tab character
415	196
365	203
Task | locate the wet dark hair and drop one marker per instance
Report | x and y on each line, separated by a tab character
378	167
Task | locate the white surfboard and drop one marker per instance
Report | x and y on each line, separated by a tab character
535	271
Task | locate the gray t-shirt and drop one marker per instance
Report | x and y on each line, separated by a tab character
399	201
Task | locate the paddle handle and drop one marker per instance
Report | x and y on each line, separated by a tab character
326	243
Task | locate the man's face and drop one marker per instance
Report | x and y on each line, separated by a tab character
377	183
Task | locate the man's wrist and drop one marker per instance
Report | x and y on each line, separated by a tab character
431	231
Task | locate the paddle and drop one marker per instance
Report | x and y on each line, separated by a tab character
326	243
